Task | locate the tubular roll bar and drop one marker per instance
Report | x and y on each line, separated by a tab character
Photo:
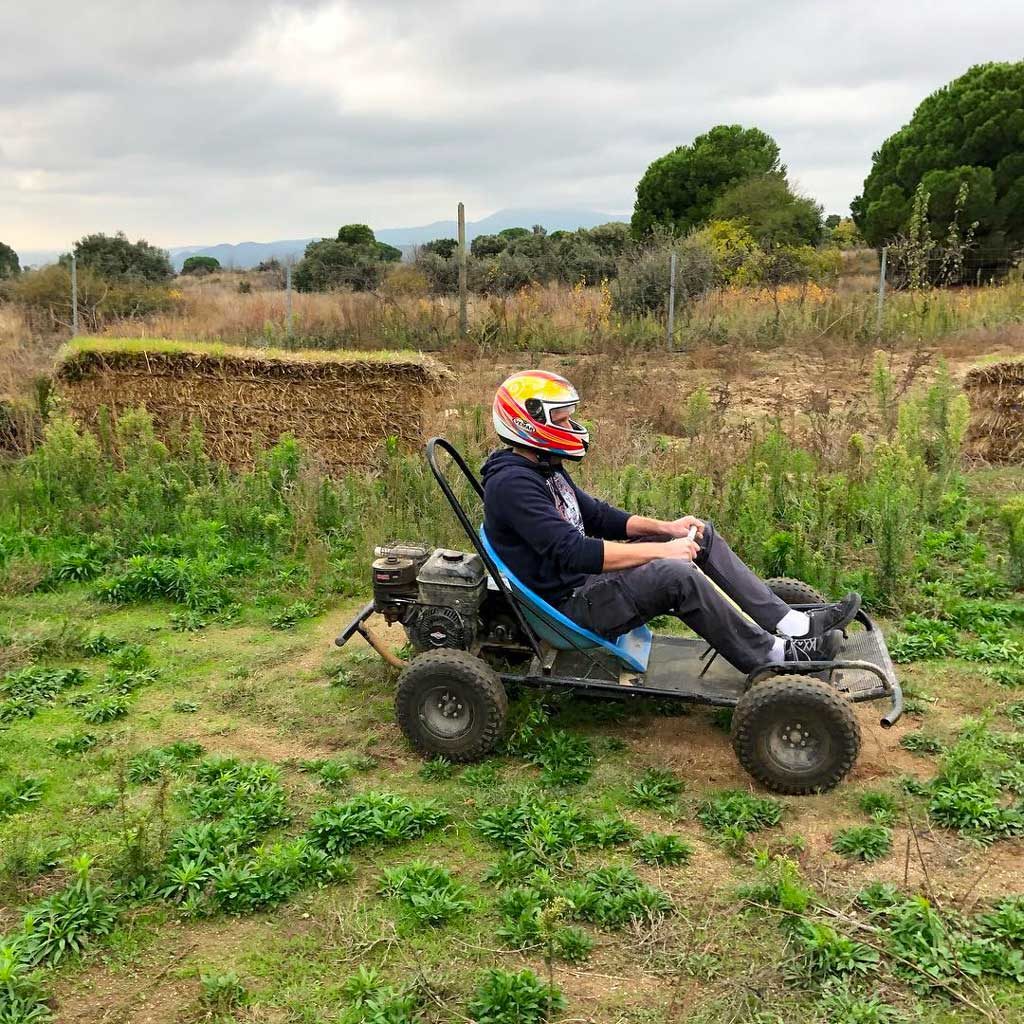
453	453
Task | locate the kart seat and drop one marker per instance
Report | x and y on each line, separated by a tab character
632	649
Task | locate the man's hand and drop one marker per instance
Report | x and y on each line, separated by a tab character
681	527
679	547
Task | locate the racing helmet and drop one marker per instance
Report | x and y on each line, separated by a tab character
522	415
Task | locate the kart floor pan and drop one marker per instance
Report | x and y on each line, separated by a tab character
676	664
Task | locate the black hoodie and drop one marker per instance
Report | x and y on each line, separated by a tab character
536	536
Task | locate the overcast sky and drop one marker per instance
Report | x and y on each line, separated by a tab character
204	121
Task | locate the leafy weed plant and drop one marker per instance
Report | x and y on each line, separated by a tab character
665	850
548	829
880	807
437	769
864	842
220	993
63	924
921	742
18	795
564	758
374	818
656	790
507	997
739	810
615	897
428	892
103	710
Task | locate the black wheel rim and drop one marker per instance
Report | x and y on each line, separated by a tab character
797	744
445	713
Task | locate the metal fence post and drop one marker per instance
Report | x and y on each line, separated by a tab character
671	326
463	316
288	297
74	296
881	289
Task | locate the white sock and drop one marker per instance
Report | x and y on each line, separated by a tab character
794	623
778	652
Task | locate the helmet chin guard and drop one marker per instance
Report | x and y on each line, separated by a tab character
522	412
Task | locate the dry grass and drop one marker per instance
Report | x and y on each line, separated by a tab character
24	357
558	318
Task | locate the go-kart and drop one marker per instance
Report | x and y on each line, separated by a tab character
478	631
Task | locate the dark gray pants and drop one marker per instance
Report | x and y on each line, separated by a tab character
610	603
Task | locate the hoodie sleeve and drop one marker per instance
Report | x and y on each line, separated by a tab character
527	507
599	518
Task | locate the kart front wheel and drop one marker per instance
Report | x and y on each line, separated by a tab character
451	704
795	735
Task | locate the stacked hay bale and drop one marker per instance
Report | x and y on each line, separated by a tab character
996	394
340	405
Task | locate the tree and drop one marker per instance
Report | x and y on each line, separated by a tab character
679	189
969	131
200	265
488	245
354	259
9	265
832	221
510	234
356	234
844	234
771	211
115	258
444	247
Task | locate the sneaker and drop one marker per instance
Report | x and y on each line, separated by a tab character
814	648
834	616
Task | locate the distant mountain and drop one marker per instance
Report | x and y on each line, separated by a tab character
38	257
245	255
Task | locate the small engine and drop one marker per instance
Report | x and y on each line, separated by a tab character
435	594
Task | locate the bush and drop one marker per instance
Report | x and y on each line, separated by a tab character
200	265
355	259
47	294
643	275
114	258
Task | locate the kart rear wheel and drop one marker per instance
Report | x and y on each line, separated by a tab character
795	591
795	735
451	704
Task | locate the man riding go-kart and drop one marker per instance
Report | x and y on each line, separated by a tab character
609	570
556	593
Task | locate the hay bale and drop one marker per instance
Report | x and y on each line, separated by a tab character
996	393
340	405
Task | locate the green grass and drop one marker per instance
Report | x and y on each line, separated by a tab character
260	834
165	346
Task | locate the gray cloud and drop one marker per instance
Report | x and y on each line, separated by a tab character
211	121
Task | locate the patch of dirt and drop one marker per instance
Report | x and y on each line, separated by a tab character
151	989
